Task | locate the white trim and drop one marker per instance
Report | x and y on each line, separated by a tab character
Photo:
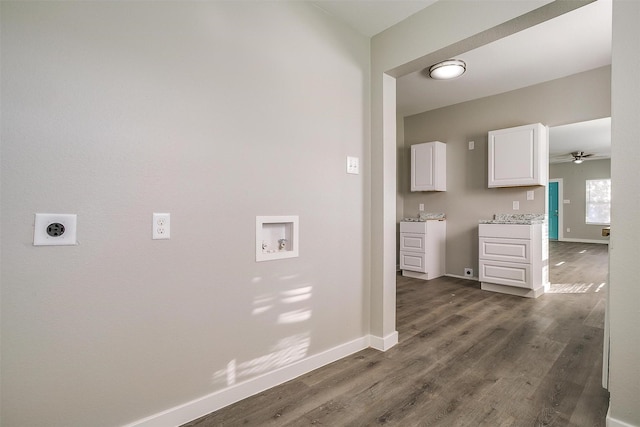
514	290
462	277
383	343
612	422
604	242
204	405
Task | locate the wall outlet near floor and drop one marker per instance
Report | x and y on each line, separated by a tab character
468	272
568	230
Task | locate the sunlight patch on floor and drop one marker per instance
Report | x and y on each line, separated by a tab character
575	288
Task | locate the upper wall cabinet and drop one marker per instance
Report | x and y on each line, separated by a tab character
429	166
518	156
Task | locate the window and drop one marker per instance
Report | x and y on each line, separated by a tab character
598	201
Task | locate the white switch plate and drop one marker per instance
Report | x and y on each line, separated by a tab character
530	195
472	145
516	205
161	226
353	165
568	230
421	207
54	229
566	202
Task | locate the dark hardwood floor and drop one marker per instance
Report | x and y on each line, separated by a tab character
466	357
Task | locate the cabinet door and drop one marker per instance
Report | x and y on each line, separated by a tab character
517	156
428	167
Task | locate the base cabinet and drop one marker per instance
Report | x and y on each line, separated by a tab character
422	249
513	259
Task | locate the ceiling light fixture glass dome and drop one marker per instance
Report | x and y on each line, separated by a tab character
449	69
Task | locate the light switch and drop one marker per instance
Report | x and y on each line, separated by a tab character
566	202
472	145
516	205
530	195
353	165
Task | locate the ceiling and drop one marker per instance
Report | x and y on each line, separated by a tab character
370	17
574	42
592	137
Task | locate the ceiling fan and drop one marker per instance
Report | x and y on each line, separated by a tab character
576	157
580	156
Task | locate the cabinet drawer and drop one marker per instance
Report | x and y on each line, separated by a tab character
513	250
413	261
413	227
412	242
509	231
506	273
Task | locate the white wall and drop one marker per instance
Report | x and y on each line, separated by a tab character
624	290
215	112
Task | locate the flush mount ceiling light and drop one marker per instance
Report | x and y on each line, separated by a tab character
449	69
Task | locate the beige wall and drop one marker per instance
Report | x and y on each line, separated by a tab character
573	189
215	112
584	96
624	291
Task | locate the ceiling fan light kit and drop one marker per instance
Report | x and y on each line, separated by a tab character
579	156
449	69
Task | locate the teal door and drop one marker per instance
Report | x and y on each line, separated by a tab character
553	211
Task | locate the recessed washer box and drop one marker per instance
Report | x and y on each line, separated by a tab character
54	229
276	237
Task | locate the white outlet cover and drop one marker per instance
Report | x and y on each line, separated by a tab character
353	165
161	226
66	222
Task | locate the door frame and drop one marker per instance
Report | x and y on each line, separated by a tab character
560	209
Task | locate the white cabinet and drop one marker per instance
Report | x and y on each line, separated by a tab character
422	249
429	166
513	259
518	156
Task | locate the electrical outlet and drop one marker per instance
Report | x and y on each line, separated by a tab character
161	226
54	229
353	165
516	205
468	272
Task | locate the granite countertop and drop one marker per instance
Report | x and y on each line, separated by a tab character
526	219
426	216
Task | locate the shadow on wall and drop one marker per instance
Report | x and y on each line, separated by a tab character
290	308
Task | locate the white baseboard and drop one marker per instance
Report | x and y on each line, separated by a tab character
383	343
462	277
612	422
197	408
514	290
602	242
